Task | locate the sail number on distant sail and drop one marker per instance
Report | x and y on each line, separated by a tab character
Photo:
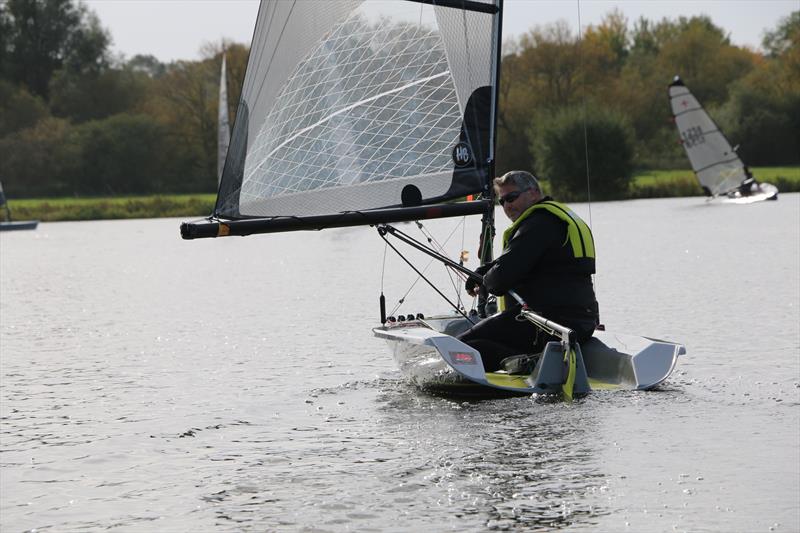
693	136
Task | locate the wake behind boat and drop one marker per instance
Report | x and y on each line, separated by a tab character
717	166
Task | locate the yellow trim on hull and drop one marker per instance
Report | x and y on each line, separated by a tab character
514	381
519	381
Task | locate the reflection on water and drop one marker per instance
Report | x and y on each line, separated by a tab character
233	384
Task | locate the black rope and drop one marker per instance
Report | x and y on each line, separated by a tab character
427	250
382	230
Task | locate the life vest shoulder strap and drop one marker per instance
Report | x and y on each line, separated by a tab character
578	233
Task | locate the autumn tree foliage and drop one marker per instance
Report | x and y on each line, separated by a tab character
75	120
624	69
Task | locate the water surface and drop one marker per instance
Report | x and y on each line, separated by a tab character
150	383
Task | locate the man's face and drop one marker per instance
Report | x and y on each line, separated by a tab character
516	202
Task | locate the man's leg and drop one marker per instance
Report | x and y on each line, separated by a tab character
500	336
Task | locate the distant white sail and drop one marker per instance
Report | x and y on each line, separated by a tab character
224	133
716	165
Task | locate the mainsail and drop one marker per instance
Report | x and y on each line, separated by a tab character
716	165
356	105
224	129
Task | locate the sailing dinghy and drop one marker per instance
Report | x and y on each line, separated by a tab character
10	225
717	166
376	112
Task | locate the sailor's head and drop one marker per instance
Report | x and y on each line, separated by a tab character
517	191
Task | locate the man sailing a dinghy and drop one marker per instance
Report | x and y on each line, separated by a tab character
548	260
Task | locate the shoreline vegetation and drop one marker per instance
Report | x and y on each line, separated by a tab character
645	184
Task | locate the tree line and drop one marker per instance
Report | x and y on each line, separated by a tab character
74	120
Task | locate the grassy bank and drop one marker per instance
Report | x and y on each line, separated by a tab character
672	183
647	184
59	209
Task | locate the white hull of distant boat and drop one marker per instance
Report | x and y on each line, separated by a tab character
432	358
766	191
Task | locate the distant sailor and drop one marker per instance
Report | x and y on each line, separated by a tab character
548	259
749	185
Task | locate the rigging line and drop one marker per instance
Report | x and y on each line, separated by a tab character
454	306
431	239
583	98
461	257
414	284
430	251
585	133
383	267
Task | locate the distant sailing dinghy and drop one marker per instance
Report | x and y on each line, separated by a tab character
359	112
718	168
9	225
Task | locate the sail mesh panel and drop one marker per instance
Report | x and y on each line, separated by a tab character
715	163
346	102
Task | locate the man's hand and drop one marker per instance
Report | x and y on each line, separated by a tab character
472	285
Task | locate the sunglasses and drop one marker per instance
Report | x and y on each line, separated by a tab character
510	197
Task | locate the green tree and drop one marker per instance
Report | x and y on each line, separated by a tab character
18	109
40	37
187	102
92	96
763	112
779	41
146	64
703	56
581	154
39	160
122	154
539	74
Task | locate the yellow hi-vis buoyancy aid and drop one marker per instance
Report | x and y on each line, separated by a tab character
578	233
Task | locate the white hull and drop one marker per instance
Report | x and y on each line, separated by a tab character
433	359
766	191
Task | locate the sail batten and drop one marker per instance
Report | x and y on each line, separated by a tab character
348	105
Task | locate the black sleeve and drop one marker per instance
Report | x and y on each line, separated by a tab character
540	233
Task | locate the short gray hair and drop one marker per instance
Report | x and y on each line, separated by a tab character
523	180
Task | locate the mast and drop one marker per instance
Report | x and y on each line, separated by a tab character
486	241
224	132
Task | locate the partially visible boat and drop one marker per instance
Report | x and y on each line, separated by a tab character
8	224
717	166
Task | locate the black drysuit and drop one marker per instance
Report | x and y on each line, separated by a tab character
539	265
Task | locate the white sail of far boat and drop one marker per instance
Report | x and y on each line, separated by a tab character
224	129
717	166
370	112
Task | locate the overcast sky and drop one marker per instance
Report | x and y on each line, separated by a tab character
177	29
